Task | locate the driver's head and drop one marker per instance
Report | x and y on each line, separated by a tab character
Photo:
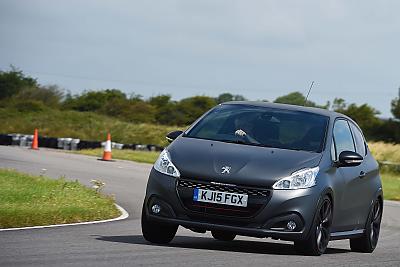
244	121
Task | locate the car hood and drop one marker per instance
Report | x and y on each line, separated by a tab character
249	165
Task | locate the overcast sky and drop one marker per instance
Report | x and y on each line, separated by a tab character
260	49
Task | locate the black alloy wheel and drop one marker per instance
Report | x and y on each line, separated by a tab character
320	233
323	228
367	243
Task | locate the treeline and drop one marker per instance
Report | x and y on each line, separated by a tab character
24	94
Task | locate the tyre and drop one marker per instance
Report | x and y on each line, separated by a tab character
157	232
320	233
223	235
368	241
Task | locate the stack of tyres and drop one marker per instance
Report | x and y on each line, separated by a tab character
74	144
49	142
15	139
5	139
67	143
88	145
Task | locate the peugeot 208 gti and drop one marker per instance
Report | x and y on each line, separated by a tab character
267	170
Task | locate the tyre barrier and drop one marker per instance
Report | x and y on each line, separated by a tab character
23	140
5	140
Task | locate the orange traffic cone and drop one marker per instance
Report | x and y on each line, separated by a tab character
35	141
107	149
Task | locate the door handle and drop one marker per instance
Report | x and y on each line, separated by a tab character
362	174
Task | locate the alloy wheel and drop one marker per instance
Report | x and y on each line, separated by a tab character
375	223
323	226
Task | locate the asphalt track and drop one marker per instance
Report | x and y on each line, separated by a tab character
121	244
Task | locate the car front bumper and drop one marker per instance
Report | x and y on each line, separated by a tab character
271	220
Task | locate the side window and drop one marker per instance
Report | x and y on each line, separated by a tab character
359	139
343	137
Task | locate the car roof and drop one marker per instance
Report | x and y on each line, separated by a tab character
319	111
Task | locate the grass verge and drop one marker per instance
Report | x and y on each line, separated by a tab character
391	185
133	155
27	200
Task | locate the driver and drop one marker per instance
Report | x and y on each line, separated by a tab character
244	127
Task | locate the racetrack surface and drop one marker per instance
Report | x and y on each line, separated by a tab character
121	243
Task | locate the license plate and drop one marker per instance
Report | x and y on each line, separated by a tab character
225	198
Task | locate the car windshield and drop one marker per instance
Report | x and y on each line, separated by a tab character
262	126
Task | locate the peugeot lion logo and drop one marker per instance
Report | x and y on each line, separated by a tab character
226	169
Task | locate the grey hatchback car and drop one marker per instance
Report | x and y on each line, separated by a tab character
267	170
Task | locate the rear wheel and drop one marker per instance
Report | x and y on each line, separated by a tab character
369	240
320	233
223	235
157	232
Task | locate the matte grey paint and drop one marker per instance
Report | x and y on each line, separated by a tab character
352	189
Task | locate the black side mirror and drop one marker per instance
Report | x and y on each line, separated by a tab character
349	159
173	135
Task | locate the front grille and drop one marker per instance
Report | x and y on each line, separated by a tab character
258	197
224	188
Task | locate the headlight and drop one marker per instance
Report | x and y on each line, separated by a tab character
304	178
165	165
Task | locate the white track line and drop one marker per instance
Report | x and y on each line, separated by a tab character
391	203
124	215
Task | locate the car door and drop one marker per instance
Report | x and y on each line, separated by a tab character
368	174
350	203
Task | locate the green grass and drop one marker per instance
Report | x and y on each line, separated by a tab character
133	155
391	185
82	125
27	200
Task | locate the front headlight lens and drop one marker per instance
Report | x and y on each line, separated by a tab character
304	178
164	165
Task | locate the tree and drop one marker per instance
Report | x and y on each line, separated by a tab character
50	96
395	107
170	114
225	97
13	81
93	100
295	98
194	107
364	115
339	104
160	101
139	111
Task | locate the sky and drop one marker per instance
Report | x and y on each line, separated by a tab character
259	49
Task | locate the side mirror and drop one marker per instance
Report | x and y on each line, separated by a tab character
173	135
349	159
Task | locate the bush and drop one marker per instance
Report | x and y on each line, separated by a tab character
13	81
93	100
28	105
50	96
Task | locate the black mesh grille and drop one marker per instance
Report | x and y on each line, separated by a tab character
258	197
224	188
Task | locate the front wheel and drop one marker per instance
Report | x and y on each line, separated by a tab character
369	240
157	232
320	232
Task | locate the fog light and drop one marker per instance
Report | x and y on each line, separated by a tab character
156	208
291	225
